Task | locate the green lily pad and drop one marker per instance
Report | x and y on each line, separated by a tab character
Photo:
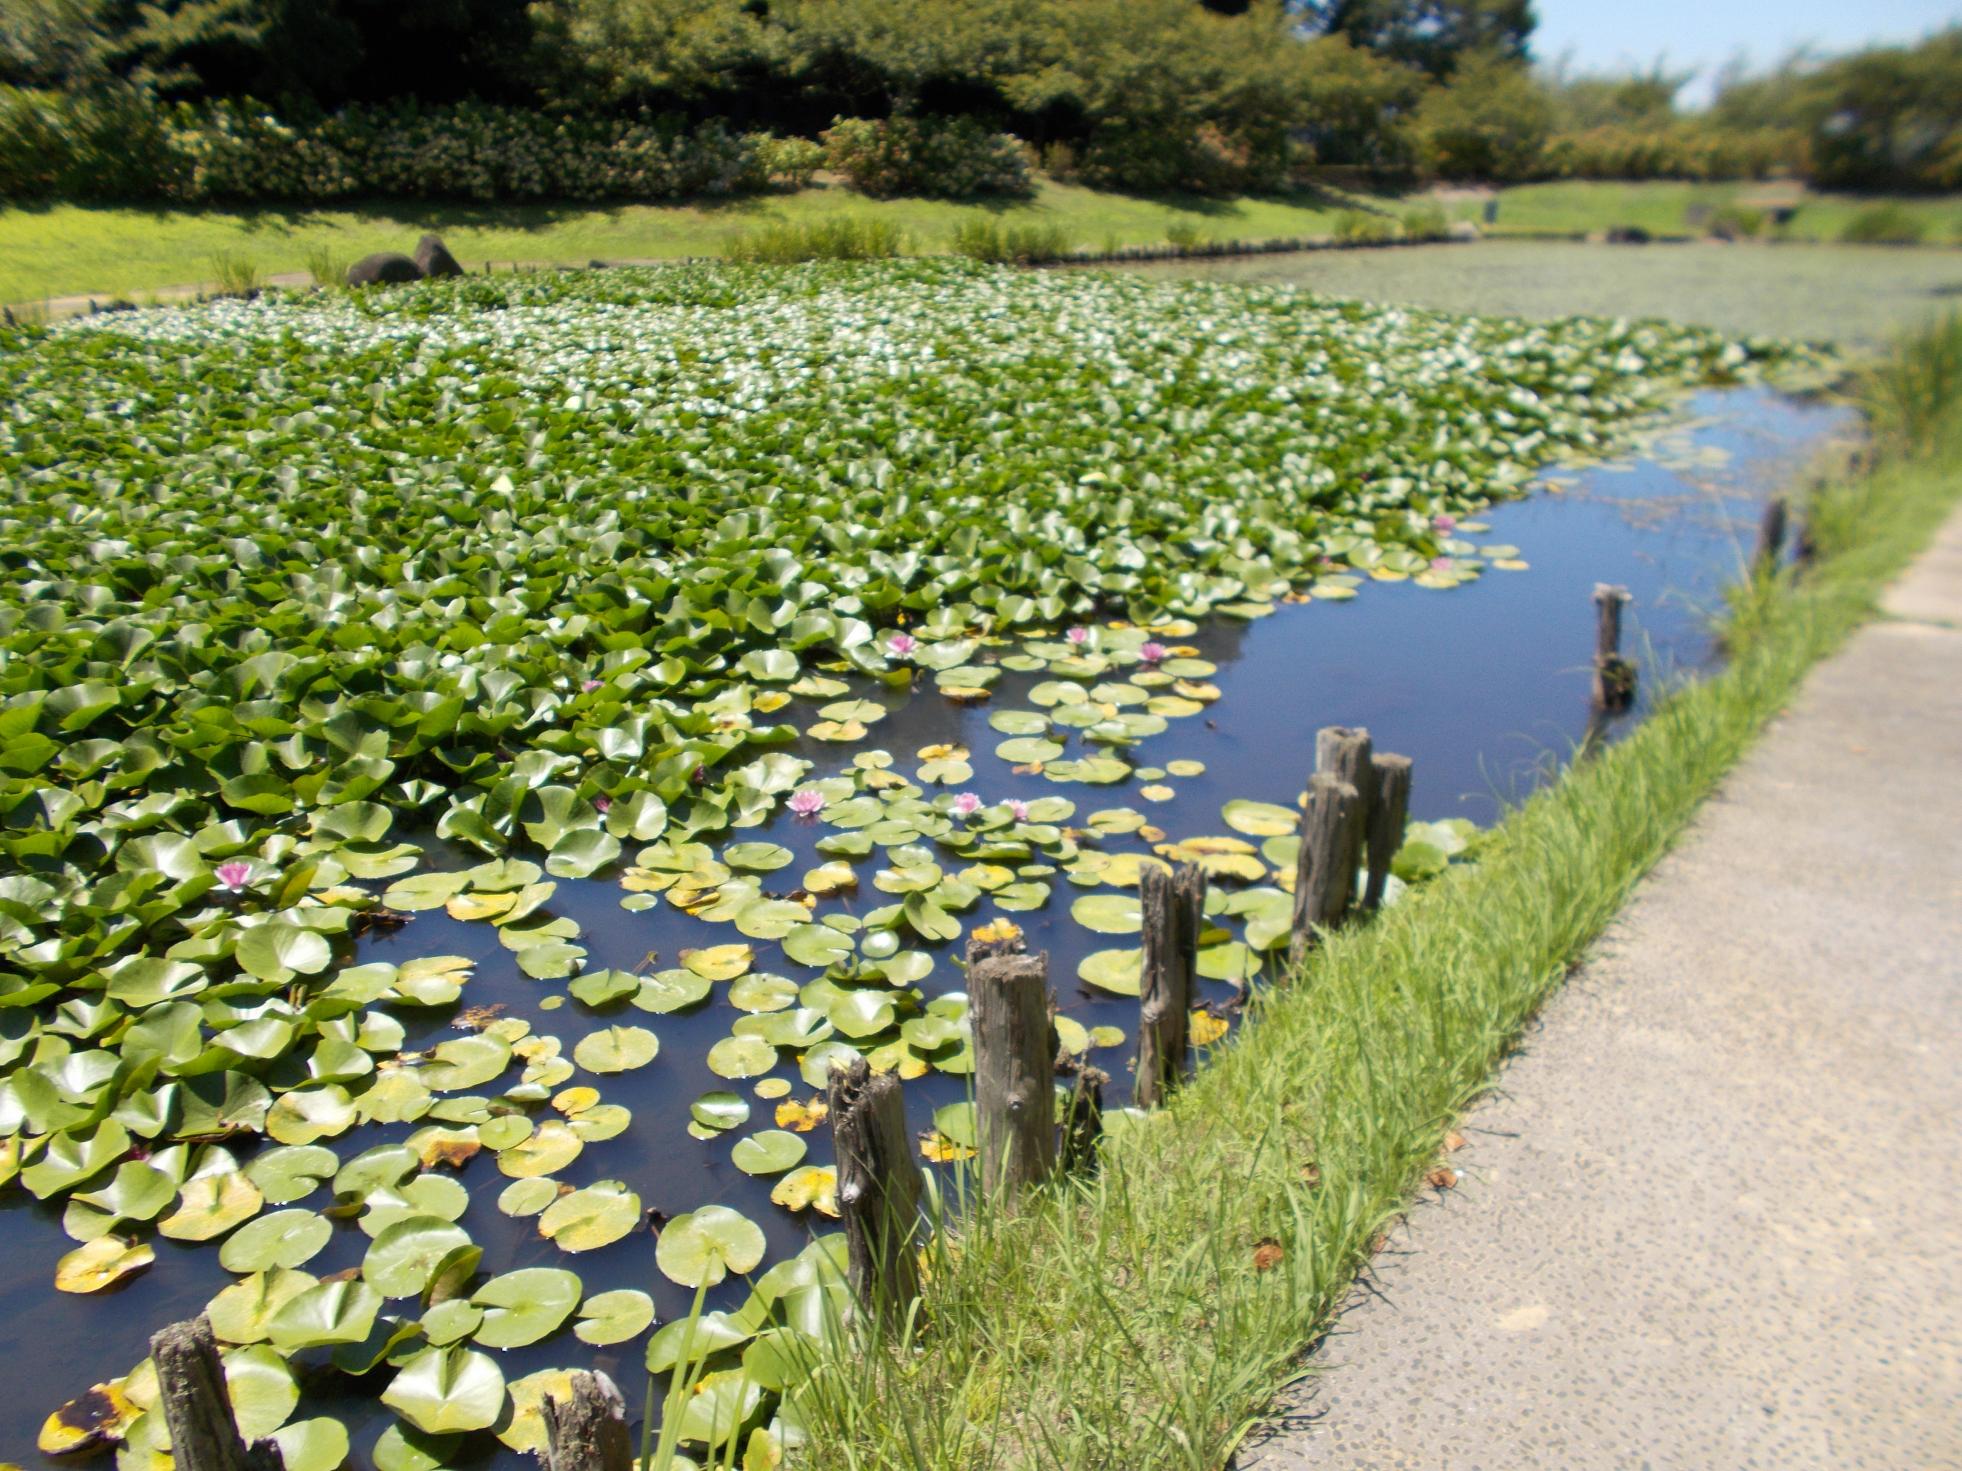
704	1246
769	1153
441	1390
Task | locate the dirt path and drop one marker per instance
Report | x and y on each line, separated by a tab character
1712	1216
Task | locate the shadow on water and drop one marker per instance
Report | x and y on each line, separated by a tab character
1484	686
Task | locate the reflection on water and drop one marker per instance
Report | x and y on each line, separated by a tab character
1485	687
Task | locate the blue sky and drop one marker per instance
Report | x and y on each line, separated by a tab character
1606	35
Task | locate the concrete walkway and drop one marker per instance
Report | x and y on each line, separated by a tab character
1712	1215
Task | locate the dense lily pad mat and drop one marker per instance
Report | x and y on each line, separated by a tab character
533	563
1142	1319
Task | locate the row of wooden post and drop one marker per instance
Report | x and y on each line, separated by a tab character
1353	819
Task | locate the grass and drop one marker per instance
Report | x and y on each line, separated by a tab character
105	251
851	237
1125	1321
1667	207
1860	296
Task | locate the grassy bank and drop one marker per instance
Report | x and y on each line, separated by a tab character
74	249
1668	207
62	250
1144	1318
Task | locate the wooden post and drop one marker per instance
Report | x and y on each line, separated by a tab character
879	1187
1014	1062
587	1431
1331	844
1771	536
197	1407
1344	754
1614	676
1383	830
1083	1125
1173	904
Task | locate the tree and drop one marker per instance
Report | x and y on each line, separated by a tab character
1430	35
1491	122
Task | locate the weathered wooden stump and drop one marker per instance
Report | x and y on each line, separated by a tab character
587	1430
1331	847
1771	536
1173	904
1614	676
197	1407
1345	753
1014	1064
1383	829
879	1187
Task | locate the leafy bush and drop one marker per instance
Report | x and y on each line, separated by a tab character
1427	222
788	163
999	244
1492	122
849	238
123	144
949	158
1884	224
1735	222
1355	227
108	143
1182	234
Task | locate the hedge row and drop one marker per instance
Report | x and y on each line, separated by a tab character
122	145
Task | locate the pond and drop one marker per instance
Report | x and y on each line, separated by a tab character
1484	687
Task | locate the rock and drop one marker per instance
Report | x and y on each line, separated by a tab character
385	268
1628	235
434	260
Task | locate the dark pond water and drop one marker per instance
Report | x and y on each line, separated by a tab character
1484	686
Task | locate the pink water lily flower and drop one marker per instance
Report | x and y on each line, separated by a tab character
1440	564
234	876
1017	809
590	685
967	804
901	644
807	803
602	804
1153	653
1446	524
1078	636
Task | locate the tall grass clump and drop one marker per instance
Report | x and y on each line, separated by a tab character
1183	234
325	266
1145	1316
851	237
998	244
1884	224
235	274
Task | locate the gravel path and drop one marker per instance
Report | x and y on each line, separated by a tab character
1710	1216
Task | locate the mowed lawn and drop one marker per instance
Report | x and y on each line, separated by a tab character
105	251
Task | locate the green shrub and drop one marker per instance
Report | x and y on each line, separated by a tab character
788	163
1182	234
948	158
1427	222
998	244
1683	149
1735	222
849	238
1356	227
121	144
1884	224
